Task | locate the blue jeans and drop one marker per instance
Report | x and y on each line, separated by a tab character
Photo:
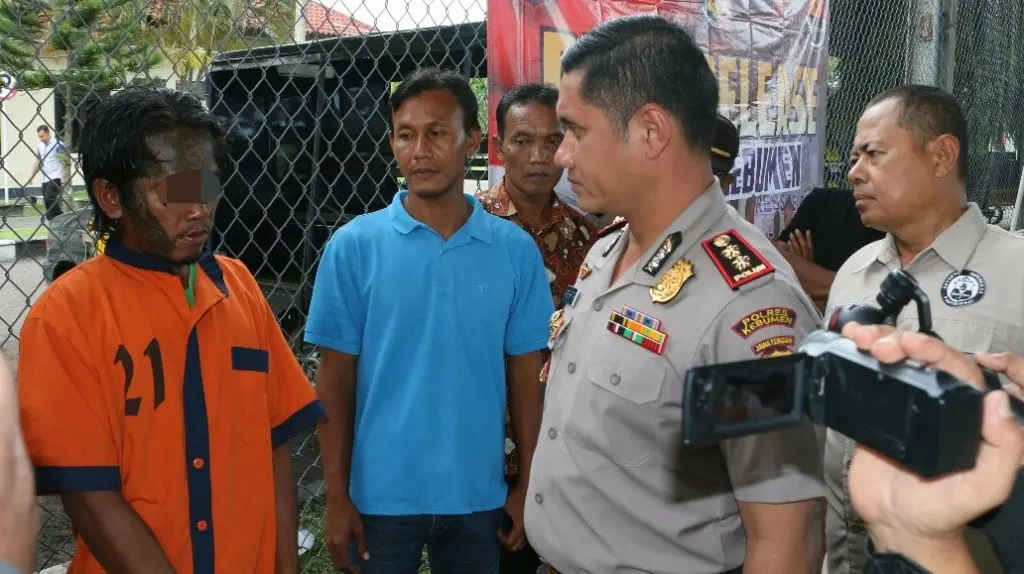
456	543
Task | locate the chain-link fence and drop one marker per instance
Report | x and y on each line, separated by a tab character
304	87
972	48
304	90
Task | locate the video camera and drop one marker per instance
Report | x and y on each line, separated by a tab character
924	419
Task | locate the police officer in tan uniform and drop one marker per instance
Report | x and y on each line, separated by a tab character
682	280
908	172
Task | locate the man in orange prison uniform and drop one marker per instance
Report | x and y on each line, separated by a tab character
157	392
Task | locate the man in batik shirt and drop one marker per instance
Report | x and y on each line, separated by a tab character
529	133
528	136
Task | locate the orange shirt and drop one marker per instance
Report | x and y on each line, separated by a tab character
124	387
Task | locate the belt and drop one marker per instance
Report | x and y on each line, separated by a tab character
545	569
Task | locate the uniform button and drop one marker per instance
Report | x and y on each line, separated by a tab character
539	498
201	526
598	305
616	378
198	463
571	367
552	433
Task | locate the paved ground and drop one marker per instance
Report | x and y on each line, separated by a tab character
21	283
20	223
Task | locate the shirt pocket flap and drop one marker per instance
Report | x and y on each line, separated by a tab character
250	359
639	382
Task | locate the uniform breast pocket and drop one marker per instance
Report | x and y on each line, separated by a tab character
615	410
248	387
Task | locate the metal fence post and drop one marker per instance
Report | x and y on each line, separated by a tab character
1015	218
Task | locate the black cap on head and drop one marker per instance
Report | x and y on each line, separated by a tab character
725	146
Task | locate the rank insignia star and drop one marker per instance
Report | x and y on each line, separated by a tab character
657	261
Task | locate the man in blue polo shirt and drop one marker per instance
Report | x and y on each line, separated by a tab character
422	311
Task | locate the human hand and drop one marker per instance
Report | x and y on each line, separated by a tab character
800	244
17	483
515	506
344	526
902	508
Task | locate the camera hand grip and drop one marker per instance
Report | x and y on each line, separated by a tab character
993	384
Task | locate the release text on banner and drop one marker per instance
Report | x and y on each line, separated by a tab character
769	58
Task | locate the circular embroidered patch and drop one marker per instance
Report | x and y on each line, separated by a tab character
963	288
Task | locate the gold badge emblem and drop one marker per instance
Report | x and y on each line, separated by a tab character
555	324
584	271
673	280
722	240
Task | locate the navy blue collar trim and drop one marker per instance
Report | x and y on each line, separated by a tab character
207	262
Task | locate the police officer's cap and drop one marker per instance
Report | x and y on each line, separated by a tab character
725	146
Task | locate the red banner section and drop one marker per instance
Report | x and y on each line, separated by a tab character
769	56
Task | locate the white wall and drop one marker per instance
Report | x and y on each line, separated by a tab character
22	115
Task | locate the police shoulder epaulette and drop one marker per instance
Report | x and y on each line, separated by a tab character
616	224
736	260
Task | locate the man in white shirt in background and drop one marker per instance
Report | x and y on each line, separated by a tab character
51	161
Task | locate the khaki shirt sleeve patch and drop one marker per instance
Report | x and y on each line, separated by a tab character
778	346
767	317
782	466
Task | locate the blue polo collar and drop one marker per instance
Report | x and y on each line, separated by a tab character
479	224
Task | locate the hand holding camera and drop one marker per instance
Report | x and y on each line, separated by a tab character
924	418
922	518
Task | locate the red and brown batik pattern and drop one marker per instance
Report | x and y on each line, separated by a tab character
564	242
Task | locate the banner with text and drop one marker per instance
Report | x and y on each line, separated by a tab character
770	59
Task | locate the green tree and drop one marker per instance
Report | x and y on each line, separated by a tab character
479	86
192	32
20	26
103	41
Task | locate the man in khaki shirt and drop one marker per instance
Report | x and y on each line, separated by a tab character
680	281
908	170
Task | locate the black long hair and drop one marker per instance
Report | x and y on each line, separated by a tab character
113	142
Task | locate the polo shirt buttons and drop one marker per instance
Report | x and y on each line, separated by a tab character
201	526
539	498
198	463
598	305
552	433
616	379
571	367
